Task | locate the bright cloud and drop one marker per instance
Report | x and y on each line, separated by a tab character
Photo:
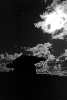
54	21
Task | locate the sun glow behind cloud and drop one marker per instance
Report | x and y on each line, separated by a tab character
54	21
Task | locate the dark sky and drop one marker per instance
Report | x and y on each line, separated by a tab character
17	24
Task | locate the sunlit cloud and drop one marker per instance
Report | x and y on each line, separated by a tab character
54	21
